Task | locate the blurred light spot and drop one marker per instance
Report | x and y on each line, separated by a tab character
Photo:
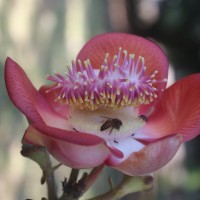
1	3
48	22
75	27
118	15
148	11
20	20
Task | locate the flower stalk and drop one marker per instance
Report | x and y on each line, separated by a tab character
73	189
128	185
41	156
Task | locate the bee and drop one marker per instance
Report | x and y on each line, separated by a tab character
112	123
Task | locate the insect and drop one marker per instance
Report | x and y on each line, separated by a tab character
112	123
75	129
143	117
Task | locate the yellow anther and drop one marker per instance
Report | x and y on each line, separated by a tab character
146	92
164	80
106	58
125	52
118	91
80	100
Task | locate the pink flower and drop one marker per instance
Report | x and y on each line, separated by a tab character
111	107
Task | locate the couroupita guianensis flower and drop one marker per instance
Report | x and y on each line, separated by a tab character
111	106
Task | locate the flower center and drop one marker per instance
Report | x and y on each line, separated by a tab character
106	123
116	84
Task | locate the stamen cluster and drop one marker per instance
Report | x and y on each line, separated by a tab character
116	84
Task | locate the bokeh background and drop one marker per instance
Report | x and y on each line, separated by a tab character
44	36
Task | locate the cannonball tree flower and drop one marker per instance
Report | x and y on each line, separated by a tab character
111	107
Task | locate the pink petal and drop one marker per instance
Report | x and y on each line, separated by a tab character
21	90
96	49
155	59
72	155
70	136
151	158
177	112
27	99
126	146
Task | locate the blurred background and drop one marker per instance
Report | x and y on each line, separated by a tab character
43	36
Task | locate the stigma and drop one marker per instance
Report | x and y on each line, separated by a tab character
119	83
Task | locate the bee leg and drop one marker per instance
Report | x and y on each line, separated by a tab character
115	141
111	130
132	134
143	117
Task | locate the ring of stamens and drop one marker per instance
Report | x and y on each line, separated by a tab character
114	85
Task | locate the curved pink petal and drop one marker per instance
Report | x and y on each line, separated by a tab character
70	154
21	91
150	158
27	99
178	111
96	49
70	136
155	59
126	146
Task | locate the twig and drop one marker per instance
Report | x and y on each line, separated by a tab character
41	156
127	186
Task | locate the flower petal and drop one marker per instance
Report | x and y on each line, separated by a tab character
28	99
155	59
70	154
177	112
151	157
75	137
96	49
21	91
126	146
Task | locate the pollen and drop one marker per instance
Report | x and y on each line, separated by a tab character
120	83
